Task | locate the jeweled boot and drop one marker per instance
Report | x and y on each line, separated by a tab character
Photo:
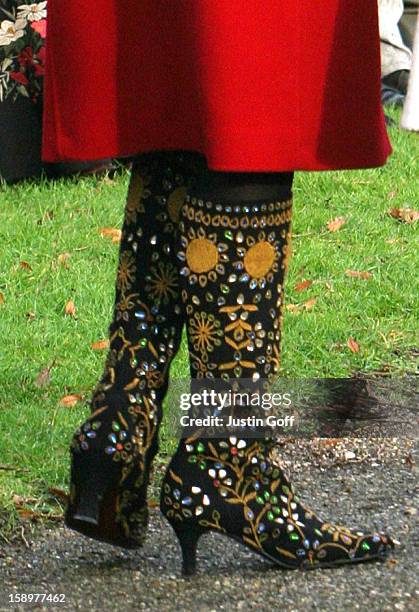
113	450
233	259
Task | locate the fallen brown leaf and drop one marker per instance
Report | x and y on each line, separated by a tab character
112	233
2	300
406	215
305	284
328	441
26	514
309	304
30	315
293	308
353	345
392	561
68	401
335	224
62	495
63	258
357	274
24	265
99	346
70	308
19	500
409	460
44	377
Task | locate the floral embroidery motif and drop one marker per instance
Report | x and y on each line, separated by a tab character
33	12
205	332
126	271
22	49
120	445
162	282
124	305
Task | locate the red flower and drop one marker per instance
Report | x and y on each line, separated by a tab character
41	54
40	27
25	57
39	70
19	77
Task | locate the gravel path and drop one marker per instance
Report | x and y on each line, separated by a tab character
375	492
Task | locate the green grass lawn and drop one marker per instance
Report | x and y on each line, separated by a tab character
41	221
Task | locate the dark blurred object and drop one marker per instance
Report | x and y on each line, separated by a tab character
397	80
407	23
394	88
67	169
20	140
20	146
391	96
344	399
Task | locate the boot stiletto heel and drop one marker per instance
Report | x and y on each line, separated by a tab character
188	540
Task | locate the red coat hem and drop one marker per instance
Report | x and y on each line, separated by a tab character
288	163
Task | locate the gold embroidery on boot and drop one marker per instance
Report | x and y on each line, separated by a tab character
162	282
175	203
201	255
126	271
259	259
204	332
137	192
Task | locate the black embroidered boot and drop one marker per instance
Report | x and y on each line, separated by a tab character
233	259
113	450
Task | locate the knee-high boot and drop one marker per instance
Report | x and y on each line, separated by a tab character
234	244
111	452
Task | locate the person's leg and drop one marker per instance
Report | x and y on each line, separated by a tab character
396	57
408	21
234	245
113	449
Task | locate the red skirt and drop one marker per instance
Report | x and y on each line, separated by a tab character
260	85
